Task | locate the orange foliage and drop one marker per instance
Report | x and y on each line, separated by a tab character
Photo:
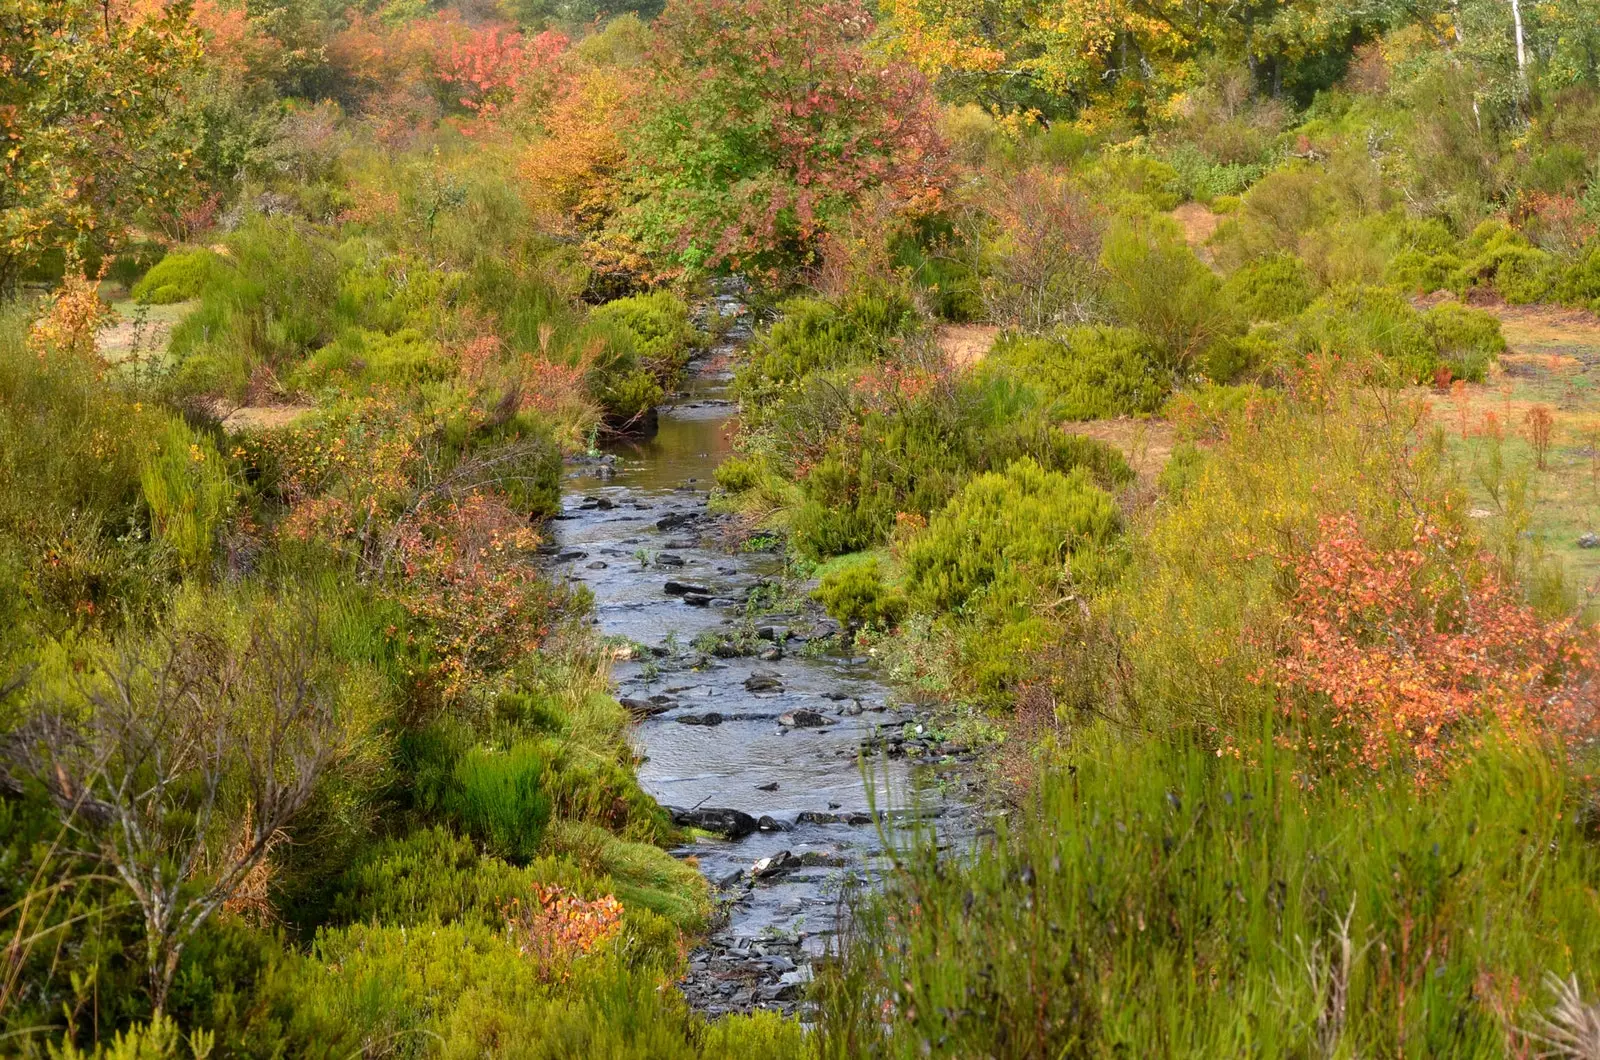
72	315
1413	658
557	927
570	176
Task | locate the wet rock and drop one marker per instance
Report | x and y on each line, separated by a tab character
815	817
674	520
768	823
643	708
850	710
771	866
697	599
734	824
667	559
776	634
709	718
599	564
769	786
763	682
679	542
821	859
770	655
726	649
682	589
571	554
800	719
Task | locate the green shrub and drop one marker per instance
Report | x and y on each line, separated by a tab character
1141	177
1419	272
814	336
1250	355
914	458
500	798
1006	531
658	325
362	359
1158	287
1269	289
1355	322
855	595
1559	169
1500	257
1466	339
1580	281
188	493
737	474
1087	373
178	277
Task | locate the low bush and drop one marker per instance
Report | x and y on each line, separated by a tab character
1499	257
1269	289
500	797
737	474
1419	272
1086	373
188	492
360	360
1006	531
1467	340
1159	288
855	594
815	336
659	326
178	277
1369	322
1580	281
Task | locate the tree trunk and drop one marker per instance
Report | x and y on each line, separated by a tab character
1522	50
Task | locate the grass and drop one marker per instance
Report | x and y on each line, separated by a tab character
1156	899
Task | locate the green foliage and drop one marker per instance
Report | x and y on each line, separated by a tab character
812	335
1005	531
501	799
1159	288
1466	339
1269	289
188	492
659	326
855	594
178	277
361	360
1086	373
1367	322
914	457
1580	281
1419	272
738	474
1498	256
1150	182
1138	858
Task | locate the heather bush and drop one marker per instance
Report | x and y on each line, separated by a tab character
1159	288
813	336
178	277
1498	257
855	594
1008	530
1269	289
1466	339
1369	322
360	360
1086	373
659	326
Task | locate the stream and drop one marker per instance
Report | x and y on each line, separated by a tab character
751	724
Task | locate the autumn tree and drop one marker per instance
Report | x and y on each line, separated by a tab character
87	89
761	122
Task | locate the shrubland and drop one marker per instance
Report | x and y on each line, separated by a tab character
1289	708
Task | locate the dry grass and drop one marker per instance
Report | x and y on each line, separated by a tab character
1198	224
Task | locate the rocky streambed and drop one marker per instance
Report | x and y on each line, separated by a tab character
753	724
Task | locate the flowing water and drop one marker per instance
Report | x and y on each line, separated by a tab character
752	724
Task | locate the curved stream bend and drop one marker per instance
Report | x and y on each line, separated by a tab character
746	723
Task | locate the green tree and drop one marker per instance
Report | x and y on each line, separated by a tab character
86	90
763	121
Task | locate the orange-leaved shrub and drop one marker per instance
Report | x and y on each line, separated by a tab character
557	927
1414	656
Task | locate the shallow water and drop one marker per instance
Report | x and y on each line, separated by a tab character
630	525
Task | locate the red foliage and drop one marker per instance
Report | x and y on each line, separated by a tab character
470	580
1413	657
558	927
